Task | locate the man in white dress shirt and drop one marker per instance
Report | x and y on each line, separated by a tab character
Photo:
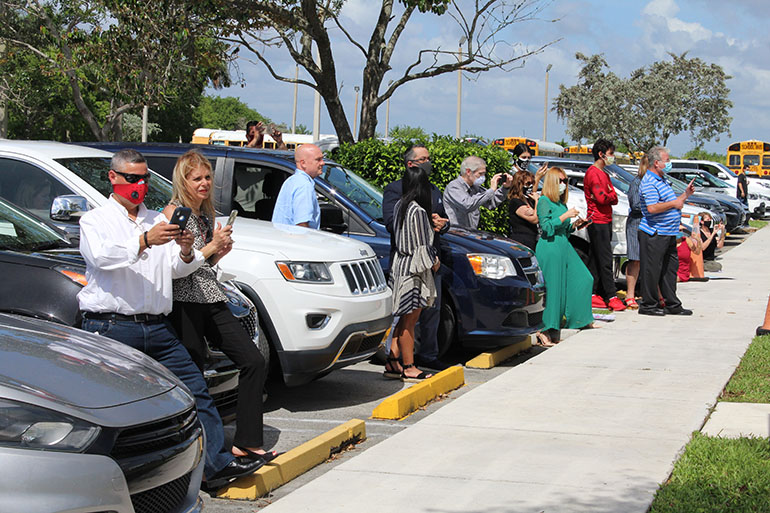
131	255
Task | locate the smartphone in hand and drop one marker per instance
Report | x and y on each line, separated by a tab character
231	219
180	217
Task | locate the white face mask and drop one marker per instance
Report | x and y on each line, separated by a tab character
480	180
562	188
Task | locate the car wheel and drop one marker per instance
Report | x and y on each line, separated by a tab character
447	328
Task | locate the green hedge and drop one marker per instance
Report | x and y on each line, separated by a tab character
381	163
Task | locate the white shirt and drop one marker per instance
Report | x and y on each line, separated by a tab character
120	279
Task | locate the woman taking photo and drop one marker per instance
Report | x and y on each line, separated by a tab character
200	304
568	282
411	272
632	234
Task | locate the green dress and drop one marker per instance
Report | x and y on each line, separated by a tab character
568	283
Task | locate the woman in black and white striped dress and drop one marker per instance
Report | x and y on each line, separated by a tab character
411	272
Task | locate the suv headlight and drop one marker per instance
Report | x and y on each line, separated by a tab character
495	267
312	272
24	426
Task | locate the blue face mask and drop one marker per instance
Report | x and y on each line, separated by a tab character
667	167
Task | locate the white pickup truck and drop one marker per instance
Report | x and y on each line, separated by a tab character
322	299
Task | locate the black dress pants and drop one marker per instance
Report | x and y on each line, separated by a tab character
600	260
194	320
659	262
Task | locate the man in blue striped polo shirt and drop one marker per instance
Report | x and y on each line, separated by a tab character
661	215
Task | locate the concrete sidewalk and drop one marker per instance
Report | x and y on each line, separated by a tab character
591	425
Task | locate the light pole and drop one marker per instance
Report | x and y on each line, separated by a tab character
294	111
545	106
316	101
387	113
459	87
355	113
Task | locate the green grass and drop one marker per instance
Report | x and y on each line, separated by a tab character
716	475
756	223
751	381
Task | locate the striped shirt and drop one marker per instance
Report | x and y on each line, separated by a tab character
655	189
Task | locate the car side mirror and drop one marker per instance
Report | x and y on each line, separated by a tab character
332	219
68	207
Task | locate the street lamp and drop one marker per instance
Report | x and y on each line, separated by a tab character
459	87
355	113
545	106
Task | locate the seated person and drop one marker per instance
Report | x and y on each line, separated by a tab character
713	237
34	195
690	252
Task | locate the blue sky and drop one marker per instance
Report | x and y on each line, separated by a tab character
629	33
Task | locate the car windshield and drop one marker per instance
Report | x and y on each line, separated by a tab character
94	170
358	190
20	231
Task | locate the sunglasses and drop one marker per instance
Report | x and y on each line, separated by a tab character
131	178
563	180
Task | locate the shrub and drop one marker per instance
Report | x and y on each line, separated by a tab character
380	164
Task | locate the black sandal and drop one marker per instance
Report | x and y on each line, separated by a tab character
414	379
268	456
391	373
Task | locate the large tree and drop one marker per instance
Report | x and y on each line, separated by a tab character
654	103
128	53
300	26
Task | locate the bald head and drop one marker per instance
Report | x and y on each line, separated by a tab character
309	159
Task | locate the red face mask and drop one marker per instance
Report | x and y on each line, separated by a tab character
133	192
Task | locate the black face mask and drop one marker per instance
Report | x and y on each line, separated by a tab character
425	166
528	189
523	163
708	224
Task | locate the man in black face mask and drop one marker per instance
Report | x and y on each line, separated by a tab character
419	156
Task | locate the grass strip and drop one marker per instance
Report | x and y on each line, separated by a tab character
716	475
751	381
756	223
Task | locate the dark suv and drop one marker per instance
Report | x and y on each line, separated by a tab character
493	291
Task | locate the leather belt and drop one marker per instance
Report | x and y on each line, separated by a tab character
111	316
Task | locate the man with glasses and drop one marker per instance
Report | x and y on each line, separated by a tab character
419	156
131	255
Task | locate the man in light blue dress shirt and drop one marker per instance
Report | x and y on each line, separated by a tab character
297	203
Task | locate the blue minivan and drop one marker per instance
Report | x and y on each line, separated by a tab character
493	291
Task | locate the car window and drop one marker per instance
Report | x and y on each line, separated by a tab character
29	186
256	188
355	188
21	232
95	171
164	164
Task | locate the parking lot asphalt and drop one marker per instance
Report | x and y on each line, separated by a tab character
295	415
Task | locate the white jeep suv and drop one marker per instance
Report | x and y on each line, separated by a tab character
322	299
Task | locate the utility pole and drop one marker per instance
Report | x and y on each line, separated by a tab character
355	113
316	102
545	106
294	111
459	87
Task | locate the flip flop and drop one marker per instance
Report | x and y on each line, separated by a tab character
542	340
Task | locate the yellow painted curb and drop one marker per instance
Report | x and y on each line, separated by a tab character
294	462
402	403
489	360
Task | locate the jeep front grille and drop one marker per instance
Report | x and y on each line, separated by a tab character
364	277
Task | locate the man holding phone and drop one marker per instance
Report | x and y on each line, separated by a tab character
600	197
131	256
464	195
661	216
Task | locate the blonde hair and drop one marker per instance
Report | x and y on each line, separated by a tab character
644	164
551	185
185	165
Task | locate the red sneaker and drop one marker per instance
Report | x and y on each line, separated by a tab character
597	302
616	304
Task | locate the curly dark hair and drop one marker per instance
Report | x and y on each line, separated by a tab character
520	181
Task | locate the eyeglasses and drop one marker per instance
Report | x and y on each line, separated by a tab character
131	178
563	180
421	160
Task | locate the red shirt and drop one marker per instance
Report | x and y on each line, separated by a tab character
600	195
683	252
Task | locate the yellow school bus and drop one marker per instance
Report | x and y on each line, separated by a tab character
238	138
755	154
536	147
584	152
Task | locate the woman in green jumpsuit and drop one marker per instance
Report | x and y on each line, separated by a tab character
568	283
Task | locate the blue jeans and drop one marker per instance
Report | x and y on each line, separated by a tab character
158	341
